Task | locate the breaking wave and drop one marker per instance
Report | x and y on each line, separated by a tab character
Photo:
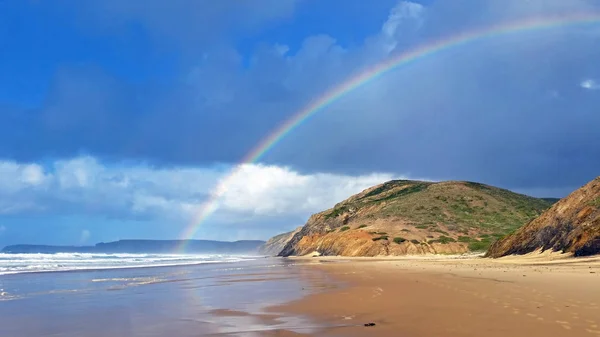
32	263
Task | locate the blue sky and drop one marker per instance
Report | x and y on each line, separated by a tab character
118	119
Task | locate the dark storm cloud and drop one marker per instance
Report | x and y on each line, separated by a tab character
509	111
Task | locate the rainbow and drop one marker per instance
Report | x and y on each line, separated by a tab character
370	74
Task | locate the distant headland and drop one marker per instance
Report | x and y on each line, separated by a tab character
146	246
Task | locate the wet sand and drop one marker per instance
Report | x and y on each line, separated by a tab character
220	299
537	295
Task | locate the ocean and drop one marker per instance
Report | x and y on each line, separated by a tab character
97	295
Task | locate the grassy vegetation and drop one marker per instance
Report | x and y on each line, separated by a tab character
473	213
595	202
386	187
444	239
484	208
345	228
479	245
403	192
399	239
383	237
478	186
414	241
337	211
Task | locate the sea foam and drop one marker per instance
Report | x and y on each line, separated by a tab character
28	263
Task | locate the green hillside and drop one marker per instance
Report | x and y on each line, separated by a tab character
420	213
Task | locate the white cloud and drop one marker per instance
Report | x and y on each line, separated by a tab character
405	10
590	84
402	20
86	185
15	176
270	190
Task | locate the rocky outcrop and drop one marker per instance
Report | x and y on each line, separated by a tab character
415	217
361	243
275	244
572	225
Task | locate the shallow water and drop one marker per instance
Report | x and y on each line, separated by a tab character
158	301
27	263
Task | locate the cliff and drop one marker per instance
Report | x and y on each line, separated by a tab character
275	244
572	225
415	217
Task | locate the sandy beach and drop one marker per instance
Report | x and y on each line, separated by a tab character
535	295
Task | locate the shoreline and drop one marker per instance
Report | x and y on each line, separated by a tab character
545	294
433	295
74	269
198	300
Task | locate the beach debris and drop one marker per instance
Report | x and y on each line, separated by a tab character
370	324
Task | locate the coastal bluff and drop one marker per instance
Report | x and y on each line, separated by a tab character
402	217
275	244
572	225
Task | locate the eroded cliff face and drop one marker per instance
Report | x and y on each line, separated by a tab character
572	225
414	217
275	244
361	243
